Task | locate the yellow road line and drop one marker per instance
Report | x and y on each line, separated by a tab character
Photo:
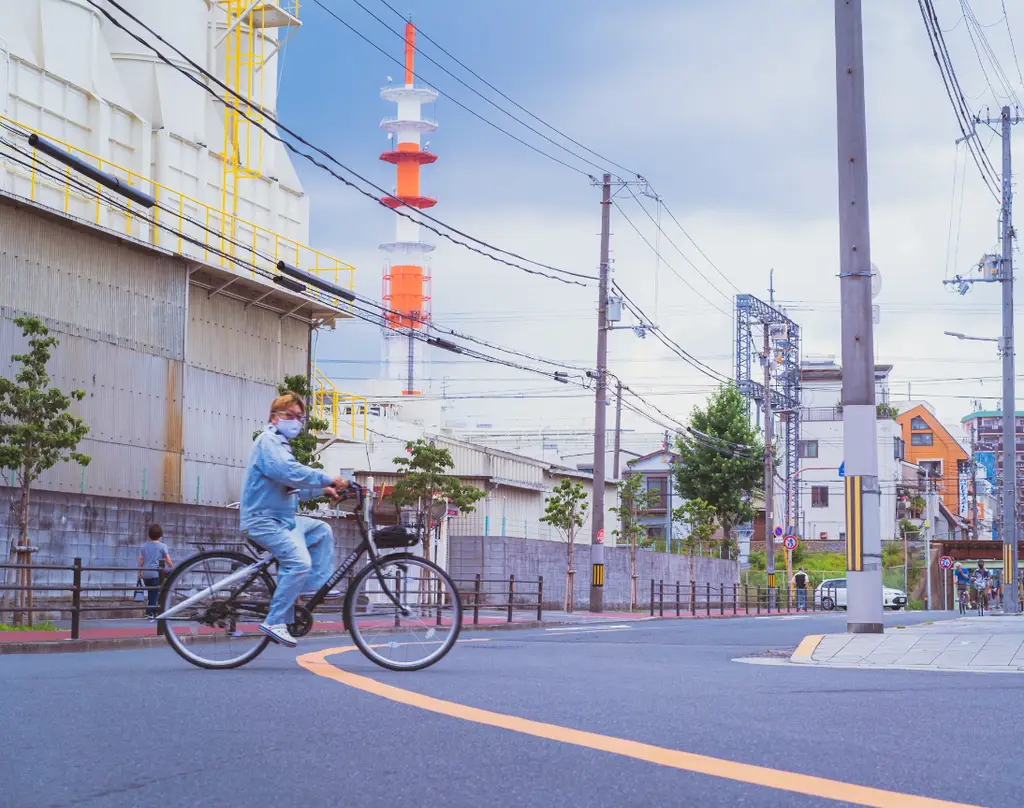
317	663
807	646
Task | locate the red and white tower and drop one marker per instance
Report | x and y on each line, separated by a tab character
406	278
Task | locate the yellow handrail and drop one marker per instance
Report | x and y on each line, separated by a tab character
196	227
338	409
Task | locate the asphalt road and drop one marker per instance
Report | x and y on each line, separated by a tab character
128	728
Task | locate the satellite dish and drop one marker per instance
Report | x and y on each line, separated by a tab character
876	280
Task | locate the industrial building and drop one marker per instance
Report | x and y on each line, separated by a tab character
168	317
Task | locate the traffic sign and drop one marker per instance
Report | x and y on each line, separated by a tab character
778	532
842	469
790	543
945	562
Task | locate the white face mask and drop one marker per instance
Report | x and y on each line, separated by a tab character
290	429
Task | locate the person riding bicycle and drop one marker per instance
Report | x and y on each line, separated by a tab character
275	483
962	578
980	578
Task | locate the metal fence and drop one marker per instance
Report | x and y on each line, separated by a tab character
502	595
678	598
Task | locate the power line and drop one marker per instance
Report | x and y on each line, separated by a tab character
503	95
674	271
1013	46
327	155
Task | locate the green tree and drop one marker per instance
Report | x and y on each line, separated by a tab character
699	518
712	470
427	486
565	511
634	501
304	445
37	429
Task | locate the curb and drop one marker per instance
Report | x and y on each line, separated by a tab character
132	643
806	648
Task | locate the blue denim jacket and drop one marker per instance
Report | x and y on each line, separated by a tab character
275	482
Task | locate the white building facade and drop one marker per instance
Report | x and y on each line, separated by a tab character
819	477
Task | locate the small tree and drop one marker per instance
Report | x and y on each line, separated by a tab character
304	444
37	430
724	470
699	518
565	512
427	486
634	501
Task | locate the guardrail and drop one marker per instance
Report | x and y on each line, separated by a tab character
694	598
76	588
501	594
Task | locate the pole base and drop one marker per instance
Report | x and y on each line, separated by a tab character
597	599
865	628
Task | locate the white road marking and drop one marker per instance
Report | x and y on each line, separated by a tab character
598	630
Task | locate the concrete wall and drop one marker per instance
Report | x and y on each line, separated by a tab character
497	557
108	531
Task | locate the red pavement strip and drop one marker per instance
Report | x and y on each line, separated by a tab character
144	635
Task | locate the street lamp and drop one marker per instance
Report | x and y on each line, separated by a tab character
958	335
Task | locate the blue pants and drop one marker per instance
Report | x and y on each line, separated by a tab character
801	599
153	593
305	559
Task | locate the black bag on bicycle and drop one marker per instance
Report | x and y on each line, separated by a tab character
394	536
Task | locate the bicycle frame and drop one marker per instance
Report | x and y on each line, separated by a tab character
266	558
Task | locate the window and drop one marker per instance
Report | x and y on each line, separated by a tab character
922	439
899	449
657	488
819	496
933	468
917	422
808	448
656	532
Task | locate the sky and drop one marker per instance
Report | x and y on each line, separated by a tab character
727	107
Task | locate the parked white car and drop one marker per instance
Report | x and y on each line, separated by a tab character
831	594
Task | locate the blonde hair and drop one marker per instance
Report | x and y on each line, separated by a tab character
285	400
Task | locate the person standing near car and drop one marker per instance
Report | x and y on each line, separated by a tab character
153	553
800	582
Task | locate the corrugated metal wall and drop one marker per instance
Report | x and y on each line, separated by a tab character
250	343
160	429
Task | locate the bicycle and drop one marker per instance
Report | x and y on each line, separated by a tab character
980	596
965	600
220	597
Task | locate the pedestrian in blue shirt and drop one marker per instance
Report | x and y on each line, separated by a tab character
275	483
962	578
153	552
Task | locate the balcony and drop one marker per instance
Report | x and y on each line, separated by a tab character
344	413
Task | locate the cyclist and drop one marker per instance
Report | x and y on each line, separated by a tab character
980	576
275	483
962	578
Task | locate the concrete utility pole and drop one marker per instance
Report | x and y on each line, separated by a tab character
1009	526
930	512
600	406
860	449
769	470
618	428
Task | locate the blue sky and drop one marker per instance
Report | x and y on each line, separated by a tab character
728	108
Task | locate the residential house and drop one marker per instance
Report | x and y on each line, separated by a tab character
656	470
820	482
931	446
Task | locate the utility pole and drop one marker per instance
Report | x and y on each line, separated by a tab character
769	470
1009	527
860	448
618	428
600	406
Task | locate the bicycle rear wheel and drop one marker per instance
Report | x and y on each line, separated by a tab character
220	630
428	628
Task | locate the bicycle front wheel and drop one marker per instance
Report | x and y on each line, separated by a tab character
417	632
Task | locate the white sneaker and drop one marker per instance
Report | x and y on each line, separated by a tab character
334	594
279	634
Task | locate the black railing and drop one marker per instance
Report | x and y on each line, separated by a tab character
76	588
689	597
503	595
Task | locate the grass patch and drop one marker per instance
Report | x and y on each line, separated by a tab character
46	625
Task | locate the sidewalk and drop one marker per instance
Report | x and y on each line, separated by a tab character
991	644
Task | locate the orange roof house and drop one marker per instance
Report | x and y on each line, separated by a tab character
930	445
